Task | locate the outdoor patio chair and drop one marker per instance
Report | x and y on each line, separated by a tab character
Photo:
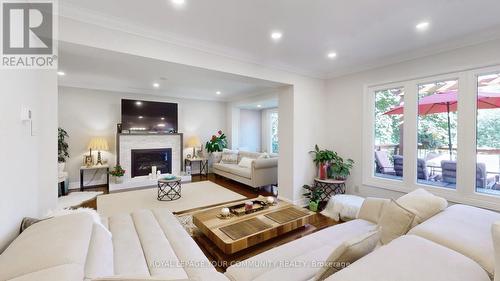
422	173
449	173
384	165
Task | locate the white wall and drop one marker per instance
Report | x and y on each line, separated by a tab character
345	99
85	113
28	169
299	102
250	130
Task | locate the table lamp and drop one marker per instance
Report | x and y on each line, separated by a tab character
99	144
193	142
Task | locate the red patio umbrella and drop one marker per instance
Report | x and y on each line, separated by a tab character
447	102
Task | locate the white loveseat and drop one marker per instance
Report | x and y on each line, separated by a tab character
144	245
262	171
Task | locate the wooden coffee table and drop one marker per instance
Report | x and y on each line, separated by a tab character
241	232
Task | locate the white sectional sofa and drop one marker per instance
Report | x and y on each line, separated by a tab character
262	171
454	245
144	245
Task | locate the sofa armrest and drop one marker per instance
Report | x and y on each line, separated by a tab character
265	163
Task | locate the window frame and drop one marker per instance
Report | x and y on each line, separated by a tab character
465	191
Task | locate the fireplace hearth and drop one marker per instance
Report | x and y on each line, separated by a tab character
144	159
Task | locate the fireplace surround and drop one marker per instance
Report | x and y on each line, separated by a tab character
144	159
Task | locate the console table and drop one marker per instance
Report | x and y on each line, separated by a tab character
203	164
84	169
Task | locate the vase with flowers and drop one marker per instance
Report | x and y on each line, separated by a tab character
117	173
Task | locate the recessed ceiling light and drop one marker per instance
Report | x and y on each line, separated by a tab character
423	26
163	118
259	106
140	117
218	93
332	55
178	2
138	103
61	73
276	35
156	85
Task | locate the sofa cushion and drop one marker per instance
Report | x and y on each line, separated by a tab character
423	203
299	259
411	258
464	229
61	243
349	252
99	261
245	162
234	169
395	221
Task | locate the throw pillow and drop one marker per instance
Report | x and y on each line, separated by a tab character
264	155
371	209
229	156
349	252
246	162
423	203
394	221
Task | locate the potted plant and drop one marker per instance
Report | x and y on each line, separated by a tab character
217	143
314	196
341	169
62	147
118	172
322	158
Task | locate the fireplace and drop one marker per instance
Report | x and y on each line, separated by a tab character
144	159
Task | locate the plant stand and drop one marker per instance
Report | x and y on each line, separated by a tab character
330	187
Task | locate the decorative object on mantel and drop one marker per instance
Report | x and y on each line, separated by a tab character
217	143
62	147
330	164
193	142
99	144
118	172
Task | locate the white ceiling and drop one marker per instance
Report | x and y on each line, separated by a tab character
365	34
93	68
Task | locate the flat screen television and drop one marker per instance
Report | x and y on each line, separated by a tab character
149	116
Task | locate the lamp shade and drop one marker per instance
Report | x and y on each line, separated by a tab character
99	144
193	141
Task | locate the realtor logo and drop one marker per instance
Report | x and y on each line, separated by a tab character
28	35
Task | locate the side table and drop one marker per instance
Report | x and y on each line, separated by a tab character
203	165
329	187
169	188
84	169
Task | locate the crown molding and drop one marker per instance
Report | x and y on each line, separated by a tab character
92	17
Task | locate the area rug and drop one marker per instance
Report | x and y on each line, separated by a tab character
194	195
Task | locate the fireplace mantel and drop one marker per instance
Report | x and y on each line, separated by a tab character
125	143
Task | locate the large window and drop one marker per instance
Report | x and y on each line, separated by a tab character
274	119
437	133
488	134
388	150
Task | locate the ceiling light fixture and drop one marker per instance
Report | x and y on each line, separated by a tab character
276	35
61	73
259	106
156	85
332	55
422	26
178	2
218	93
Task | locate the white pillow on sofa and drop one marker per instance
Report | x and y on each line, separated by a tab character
245	162
423	203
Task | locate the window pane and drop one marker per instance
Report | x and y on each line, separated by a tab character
274	132
488	134
437	134
389	114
